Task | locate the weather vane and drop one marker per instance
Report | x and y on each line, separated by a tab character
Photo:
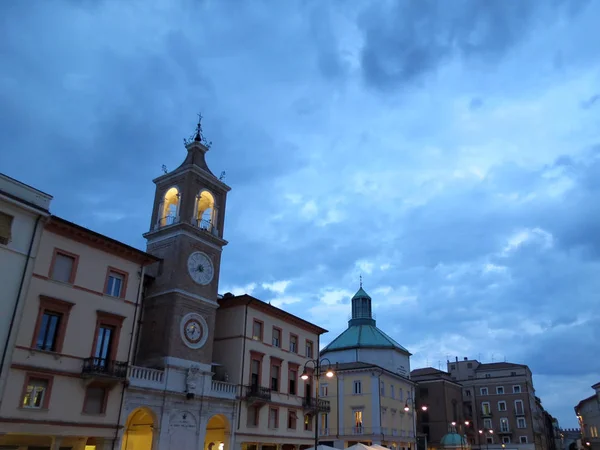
198	136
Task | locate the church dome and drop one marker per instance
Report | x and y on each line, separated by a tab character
362	331
454	440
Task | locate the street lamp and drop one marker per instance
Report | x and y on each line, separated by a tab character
481	433
319	367
407	408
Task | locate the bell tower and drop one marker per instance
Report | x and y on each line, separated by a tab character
186	231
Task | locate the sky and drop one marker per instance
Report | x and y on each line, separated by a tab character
447	151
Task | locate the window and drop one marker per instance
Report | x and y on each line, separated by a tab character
257	330
253	416
487	375
513	374
467	392
63	266
95	400
523	439
517	390
293	343
500	390
392	391
292	419
506	439
275	369
307	423
324	390
357	387
255	367
485	408
358	421
452	366
502	406
469	365
487	424
273	418
503	424
108	328
490	440
309	349
6	221
324	423
382	388
116	283
400	394
276	337
483	391
51	324
293	380
521	422
36	392
519	410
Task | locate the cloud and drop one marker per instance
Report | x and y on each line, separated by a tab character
466	195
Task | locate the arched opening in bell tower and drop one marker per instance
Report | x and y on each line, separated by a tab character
217	433
205	211
139	431
170	207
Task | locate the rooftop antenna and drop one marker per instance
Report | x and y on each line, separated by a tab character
164	169
504	358
479	357
492	357
439	365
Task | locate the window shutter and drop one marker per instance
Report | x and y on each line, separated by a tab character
6	221
63	266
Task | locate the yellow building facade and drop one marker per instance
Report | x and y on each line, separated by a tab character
371	394
67	374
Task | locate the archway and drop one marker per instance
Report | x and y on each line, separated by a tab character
217	433
139	430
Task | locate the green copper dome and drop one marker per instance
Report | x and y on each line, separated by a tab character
362	331
452	440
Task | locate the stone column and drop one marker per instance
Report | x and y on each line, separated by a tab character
55	442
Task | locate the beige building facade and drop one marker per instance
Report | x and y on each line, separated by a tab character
23	213
370	405
499	399
588	415
265	350
68	369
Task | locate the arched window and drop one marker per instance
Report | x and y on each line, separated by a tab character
169	213
205	216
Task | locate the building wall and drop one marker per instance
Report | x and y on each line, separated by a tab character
588	414
62	368
481	386
381	402
391	360
234	337
25	232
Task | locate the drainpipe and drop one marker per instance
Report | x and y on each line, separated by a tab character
15	309
239	418
129	356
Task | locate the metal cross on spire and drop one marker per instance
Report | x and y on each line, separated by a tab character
198	135
360	278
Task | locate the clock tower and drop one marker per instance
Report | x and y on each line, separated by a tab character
186	231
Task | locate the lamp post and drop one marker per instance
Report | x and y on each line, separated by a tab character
407	408
319	367
481	433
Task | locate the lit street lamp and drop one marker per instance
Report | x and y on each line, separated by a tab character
318	370
410	402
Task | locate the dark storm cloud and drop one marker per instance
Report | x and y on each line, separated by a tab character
405	41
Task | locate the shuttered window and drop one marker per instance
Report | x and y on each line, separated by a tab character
6	221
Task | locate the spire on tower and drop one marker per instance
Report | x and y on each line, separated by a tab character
198	135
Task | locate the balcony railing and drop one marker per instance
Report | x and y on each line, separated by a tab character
311	403
257	393
486	413
324	432
104	368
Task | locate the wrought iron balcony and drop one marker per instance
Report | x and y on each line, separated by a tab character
312	404
485	413
257	394
101	367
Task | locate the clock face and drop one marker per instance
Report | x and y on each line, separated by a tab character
194	330
200	268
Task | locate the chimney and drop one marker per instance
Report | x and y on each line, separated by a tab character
466	359
456	358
